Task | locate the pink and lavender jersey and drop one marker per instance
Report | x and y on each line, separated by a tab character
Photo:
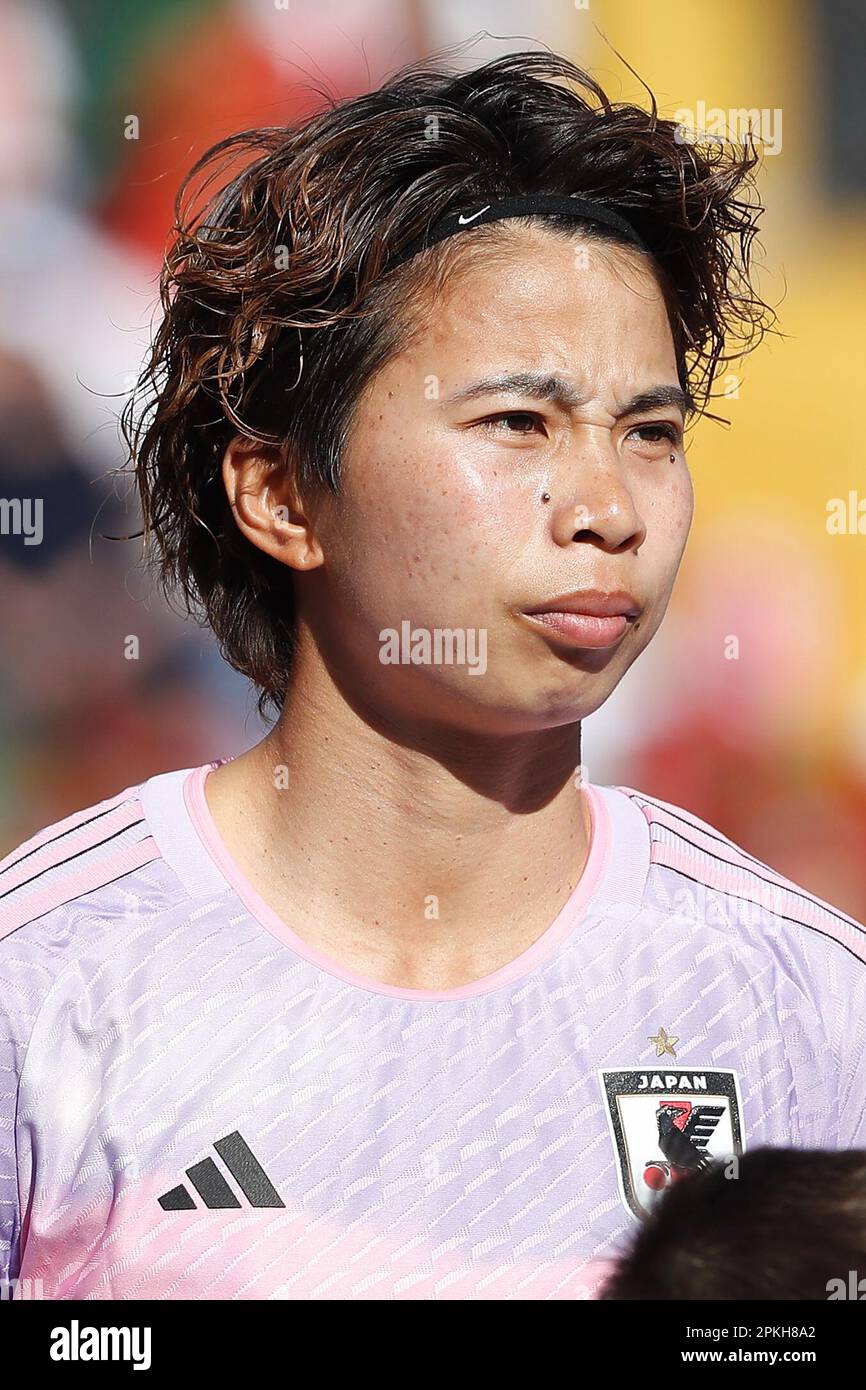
196	1104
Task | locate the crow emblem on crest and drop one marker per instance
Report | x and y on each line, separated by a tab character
685	1131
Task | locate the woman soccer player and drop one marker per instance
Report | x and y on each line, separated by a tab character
401	1003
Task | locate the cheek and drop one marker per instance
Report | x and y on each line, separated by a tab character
669	515
442	531
683	506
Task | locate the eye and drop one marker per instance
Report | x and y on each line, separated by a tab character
657	432
494	423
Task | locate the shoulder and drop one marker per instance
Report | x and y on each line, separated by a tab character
88	898
73	859
698	870
96	876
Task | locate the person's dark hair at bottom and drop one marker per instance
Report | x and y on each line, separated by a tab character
792	1222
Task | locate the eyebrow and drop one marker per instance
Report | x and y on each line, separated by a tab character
544	386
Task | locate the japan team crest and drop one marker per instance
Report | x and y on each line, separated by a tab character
666	1124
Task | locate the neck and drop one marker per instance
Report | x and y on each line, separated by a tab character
418	857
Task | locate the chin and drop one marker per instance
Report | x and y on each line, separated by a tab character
527	713
567	706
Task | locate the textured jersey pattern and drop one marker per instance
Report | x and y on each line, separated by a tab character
193	1105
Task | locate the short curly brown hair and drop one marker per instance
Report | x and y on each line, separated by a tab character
279	305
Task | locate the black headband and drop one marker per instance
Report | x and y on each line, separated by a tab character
520	205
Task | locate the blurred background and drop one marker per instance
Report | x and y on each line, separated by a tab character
749	707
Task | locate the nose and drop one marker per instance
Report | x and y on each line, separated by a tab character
599	507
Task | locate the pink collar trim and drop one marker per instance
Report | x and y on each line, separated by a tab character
540	950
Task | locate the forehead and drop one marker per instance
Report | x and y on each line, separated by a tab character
546	297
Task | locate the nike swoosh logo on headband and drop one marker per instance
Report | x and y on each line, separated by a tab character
461	220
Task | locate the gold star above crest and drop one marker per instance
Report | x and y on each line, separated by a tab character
664	1043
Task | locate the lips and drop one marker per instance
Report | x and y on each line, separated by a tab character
594	603
589	618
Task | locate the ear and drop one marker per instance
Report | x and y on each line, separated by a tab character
267	505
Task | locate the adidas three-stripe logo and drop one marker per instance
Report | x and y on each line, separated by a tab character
212	1187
